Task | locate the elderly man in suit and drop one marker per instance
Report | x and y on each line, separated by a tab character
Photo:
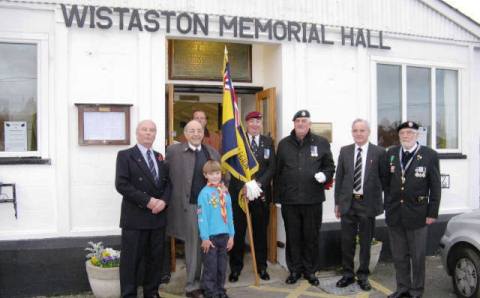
211	138
412	200
143	181
186	161
263	148
359	181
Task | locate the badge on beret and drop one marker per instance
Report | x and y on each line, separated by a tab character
410	124
303	113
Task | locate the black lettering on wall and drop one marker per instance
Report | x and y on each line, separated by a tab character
263	28
188	20
345	36
74	13
101	17
197	23
151	18
293	30
244	25
313	34
227	25
283	30
121	12
324	40
135	21
168	15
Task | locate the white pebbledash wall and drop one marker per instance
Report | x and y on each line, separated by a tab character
75	195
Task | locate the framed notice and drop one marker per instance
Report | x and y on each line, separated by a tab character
203	60
103	124
323	129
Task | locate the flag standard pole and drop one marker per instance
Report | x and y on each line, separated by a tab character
250	240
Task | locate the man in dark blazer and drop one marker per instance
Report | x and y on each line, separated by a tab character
142	179
264	151
359	181
412	200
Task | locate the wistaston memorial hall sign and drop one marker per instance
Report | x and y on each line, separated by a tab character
130	19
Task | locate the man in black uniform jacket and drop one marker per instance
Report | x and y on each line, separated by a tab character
359	181
304	166
412	200
264	151
142	180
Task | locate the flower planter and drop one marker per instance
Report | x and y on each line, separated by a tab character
105	282
375	250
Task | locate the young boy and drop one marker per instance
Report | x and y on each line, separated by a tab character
215	223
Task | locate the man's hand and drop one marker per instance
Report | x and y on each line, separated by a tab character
430	220
337	212
159	206
151	204
206	244
229	243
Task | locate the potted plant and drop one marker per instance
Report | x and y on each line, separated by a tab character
375	250
102	267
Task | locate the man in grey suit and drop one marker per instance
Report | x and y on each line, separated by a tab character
185	162
359	181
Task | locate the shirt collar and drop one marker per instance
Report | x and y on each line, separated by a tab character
193	148
411	150
364	147
144	149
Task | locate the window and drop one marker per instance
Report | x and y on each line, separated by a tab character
18	97
426	95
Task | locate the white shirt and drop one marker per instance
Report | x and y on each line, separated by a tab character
257	140
411	150
144	150
193	148
364	163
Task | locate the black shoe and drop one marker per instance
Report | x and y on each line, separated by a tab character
312	279
398	294
264	274
293	278
345	282
165	279
195	294
364	284
233	277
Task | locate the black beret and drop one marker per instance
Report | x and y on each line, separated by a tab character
408	124
301	113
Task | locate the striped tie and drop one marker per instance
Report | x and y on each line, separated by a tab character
151	165
254	146
357	172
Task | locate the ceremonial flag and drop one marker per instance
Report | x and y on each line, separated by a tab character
237	158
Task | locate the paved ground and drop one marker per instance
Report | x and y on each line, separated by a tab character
438	284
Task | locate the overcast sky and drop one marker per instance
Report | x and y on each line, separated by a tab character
469	7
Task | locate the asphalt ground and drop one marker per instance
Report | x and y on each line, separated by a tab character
438	284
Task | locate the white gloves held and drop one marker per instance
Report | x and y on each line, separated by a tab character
320	177
253	190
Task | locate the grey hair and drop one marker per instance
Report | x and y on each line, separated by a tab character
361	120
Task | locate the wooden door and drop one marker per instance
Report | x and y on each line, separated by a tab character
265	104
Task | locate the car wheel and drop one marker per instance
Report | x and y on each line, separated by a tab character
466	273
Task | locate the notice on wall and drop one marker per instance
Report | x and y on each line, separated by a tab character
422	136
104	126
15	136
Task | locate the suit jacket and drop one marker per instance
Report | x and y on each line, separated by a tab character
181	162
373	181
409	205
134	181
266	161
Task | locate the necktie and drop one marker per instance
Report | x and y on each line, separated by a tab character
254	145
405	158
151	165
357	172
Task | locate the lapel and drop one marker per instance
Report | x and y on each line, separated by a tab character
138	157
369	161
350	159
188	162
415	161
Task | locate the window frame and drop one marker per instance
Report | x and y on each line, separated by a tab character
433	66
41	41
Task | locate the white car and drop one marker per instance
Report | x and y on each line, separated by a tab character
460	249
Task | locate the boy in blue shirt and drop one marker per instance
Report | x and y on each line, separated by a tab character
215	222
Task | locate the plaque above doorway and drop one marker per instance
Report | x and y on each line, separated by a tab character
203	60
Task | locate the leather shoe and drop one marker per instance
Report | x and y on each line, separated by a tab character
364	284
233	277
292	278
165	279
195	294
345	282
398	294
312	279
264	274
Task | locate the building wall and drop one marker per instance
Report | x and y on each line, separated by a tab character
75	195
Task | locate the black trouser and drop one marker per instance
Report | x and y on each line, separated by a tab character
215	266
135	245
259	215
302	229
354	223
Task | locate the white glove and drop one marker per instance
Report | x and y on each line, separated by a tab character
320	177
253	190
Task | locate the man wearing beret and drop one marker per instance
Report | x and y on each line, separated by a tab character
412	200
264	151
304	166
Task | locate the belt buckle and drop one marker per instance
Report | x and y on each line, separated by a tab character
358	197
